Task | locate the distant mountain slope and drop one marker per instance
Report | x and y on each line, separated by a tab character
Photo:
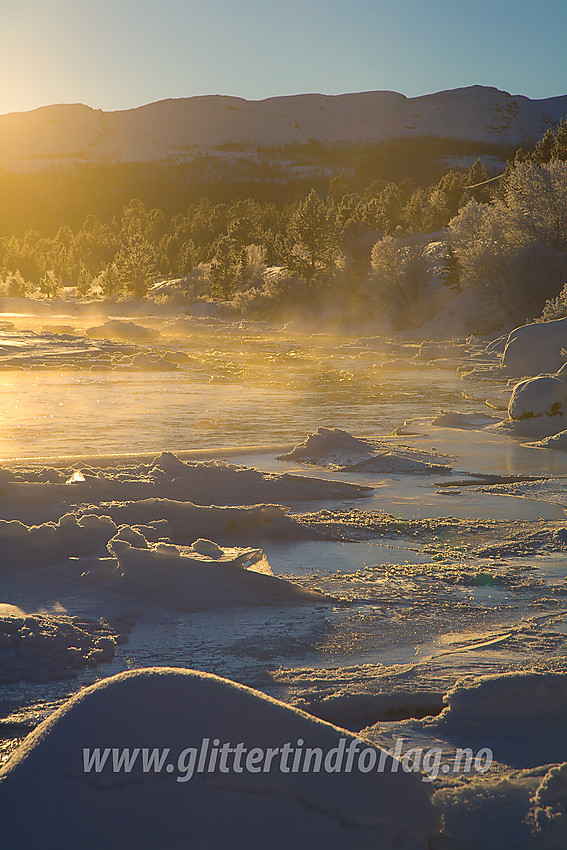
180	128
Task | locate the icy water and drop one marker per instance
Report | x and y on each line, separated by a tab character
239	387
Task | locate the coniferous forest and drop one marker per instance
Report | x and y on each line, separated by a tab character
349	223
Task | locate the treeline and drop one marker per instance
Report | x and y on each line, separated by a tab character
46	199
362	250
306	236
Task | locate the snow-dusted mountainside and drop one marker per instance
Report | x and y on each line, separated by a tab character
180	128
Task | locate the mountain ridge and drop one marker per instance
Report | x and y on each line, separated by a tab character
178	129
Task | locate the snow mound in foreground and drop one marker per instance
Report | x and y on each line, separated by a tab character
536	348
181	709
205	576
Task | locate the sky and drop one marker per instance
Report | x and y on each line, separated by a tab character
118	54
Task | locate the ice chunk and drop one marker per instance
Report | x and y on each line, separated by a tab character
194	580
339	450
189	521
41	647
555	441
48	543
465	421
327	442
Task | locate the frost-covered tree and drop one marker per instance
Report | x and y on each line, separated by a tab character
398	280
227	268
514	250
137	265
313	239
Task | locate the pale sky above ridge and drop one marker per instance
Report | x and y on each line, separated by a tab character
118	54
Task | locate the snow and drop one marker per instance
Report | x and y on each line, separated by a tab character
497	703
536	410
464	421
189	521
48	543
555	441
166	477
535	348
541	396
169	128
339	450
329	442
41	647
202	576
367	612
177	709
119	329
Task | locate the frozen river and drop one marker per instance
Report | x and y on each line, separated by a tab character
425	576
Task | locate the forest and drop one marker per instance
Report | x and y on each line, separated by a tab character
351	225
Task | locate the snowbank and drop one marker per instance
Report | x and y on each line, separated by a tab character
507	699
220	483
521	716
179	709
203	483
205	576
535	348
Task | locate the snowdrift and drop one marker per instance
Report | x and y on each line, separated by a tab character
179	709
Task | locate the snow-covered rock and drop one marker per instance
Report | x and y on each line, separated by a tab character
50	799
535	348
541	396
120	329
